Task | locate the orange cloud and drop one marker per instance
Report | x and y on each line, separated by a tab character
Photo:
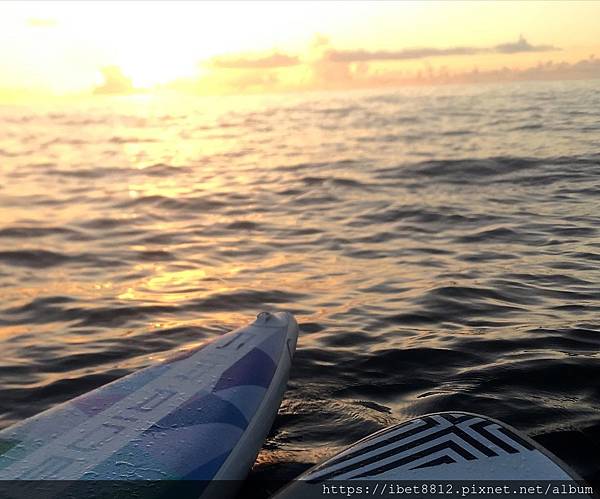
275	60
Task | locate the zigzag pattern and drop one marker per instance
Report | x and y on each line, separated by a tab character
457	436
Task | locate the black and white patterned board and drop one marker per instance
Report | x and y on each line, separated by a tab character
443	446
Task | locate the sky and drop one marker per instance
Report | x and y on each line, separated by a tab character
90	48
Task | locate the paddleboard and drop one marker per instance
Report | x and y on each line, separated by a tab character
436	448
202	415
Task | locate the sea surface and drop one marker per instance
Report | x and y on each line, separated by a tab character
439	246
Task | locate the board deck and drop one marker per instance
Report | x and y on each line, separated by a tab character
202	415
439	447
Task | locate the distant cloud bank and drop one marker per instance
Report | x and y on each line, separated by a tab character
323	67
522	45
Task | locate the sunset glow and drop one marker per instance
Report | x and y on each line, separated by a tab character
66	48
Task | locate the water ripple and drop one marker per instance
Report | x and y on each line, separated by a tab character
439	246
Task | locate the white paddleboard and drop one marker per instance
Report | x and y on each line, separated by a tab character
202	415
452	446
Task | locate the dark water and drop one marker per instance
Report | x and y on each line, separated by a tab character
440	248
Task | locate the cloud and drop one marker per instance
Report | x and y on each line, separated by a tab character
522	45
347	56
275	60
38	22
322	67
542	71
115	82
395	55
321	74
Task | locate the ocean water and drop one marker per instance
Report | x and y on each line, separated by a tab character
439	246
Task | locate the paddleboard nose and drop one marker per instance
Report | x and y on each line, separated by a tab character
265	318
280	319
201	416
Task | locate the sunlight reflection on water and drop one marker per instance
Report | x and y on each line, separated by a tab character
439	247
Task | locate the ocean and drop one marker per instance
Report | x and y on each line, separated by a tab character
439	246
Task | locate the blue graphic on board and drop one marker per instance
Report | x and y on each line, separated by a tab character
200	415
